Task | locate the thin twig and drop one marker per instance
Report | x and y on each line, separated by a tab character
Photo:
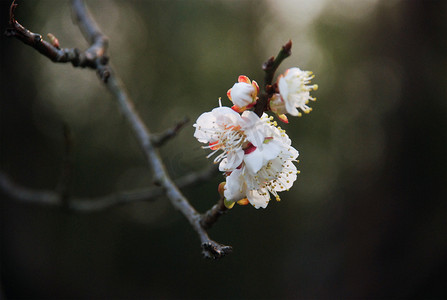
91	205
94	57
269	68
27	195
160	139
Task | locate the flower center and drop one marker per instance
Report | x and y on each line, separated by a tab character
230	138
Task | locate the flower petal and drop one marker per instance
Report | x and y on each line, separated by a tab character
229	94
271	150
241	94
235	187
254	129
231	162
256	86
243	78
258	198
204	125
254	161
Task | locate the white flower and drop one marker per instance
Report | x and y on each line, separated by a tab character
277	175
295	90
235	135
267	170
243	94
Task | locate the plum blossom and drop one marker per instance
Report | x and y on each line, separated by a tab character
243	94
234	134
294	92
274	171
255	154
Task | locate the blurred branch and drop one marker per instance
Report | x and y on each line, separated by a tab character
94	57
63	187
88	205
161	139
28	195
270	67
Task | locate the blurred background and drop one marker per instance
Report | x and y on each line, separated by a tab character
365	219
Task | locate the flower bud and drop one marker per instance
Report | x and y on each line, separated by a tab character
221	188
243	94
53	40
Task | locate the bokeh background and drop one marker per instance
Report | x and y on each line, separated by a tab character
365	219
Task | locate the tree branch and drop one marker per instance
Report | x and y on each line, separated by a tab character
90	205
94	57
210	248
212	215
28	195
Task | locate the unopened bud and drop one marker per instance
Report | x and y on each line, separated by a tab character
221	188
288	46
53	40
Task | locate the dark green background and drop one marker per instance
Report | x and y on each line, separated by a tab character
365	219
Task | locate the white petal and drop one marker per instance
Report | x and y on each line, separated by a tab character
283	89
254	161
235	186
293	153
232	161
250	117
225	115
271	150
204	123
258	198
286	178
241	94
290	107
254	128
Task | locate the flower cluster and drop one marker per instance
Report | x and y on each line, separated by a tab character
254	153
